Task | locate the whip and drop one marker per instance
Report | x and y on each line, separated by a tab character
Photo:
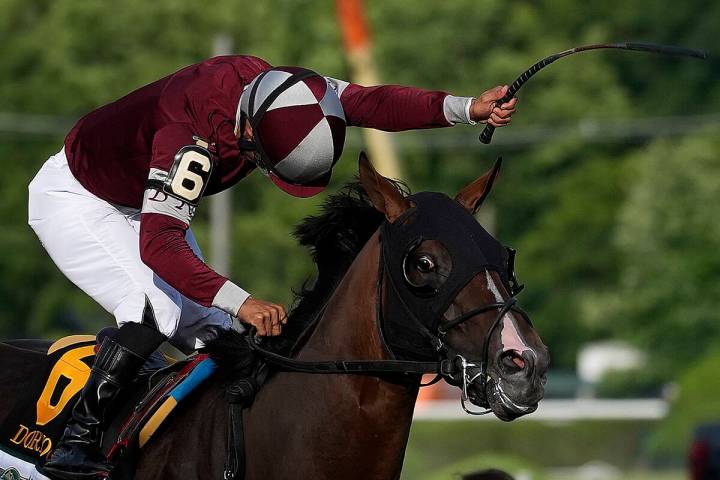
487	133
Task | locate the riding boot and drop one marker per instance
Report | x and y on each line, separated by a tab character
78	455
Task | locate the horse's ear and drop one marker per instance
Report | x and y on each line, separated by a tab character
383	194
473	195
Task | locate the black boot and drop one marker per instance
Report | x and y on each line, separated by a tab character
78	455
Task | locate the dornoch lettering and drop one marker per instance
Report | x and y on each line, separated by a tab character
33	440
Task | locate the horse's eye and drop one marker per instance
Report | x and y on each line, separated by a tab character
425	264
425	272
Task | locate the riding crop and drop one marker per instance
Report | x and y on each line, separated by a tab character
487	133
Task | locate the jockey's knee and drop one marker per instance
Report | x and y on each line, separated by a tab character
157	310
200	325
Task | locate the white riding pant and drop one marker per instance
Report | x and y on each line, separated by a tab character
96	245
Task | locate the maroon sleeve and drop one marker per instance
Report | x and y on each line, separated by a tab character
164	222
164	249
393	108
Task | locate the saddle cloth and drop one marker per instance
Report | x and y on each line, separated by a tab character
31	431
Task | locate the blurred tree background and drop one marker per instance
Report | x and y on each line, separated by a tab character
615	227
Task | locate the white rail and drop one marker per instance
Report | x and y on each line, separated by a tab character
555	410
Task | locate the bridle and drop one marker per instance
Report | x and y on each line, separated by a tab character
450	365
453	364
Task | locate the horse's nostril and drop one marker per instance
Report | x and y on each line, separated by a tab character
512	361
519	362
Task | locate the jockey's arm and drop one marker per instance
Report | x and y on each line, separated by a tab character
178	174
395	108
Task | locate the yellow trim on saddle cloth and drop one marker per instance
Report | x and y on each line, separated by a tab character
156	420
71	367
68	341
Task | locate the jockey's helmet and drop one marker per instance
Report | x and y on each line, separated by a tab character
298	128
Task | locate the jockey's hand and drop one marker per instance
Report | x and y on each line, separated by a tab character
268	318
485	109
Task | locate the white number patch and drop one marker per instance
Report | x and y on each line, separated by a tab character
189	174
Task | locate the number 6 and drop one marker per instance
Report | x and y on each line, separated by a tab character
189	174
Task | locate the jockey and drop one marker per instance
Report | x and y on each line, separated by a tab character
113	206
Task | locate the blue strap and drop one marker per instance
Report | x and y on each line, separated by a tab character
199	374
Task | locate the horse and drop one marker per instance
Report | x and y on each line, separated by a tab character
402	280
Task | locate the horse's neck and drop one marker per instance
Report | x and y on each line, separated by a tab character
368	406
348	329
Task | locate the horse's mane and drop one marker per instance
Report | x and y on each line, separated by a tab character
334	237
346	222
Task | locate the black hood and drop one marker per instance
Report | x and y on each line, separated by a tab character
472	249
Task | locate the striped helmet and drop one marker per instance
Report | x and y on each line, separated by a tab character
298	127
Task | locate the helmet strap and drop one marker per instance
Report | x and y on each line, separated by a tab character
245	144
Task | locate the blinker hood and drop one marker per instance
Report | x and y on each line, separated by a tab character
472	250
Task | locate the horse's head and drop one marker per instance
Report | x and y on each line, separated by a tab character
447	288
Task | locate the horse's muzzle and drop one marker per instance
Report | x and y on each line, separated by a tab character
514	388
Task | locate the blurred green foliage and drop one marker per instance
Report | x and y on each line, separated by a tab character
614	239
666	296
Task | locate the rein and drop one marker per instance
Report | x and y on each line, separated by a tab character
368	367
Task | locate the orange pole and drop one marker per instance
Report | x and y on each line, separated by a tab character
358	49
356	35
